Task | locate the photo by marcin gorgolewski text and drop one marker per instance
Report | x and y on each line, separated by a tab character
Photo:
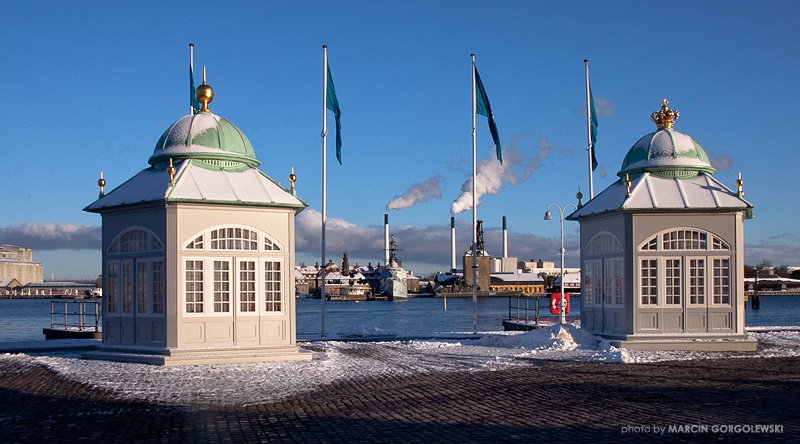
701	428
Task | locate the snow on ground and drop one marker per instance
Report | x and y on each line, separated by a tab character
341	361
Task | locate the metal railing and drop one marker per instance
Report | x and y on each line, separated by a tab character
521	307
75	314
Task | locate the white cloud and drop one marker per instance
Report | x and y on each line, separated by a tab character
50	236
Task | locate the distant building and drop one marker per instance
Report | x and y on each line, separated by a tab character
528	283
66	289
17	263
772	284
531	265
662	250
9	287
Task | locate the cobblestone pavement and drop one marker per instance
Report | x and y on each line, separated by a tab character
545	401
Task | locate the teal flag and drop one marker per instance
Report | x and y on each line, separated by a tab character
593	127
483	108
332	103
192	98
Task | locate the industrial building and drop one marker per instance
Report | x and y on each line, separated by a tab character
17	263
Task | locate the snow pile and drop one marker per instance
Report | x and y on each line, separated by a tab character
555	337
553	341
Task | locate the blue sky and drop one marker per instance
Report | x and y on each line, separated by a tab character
90	87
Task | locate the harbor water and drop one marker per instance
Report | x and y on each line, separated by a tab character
24	319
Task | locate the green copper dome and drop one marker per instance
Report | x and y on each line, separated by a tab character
666	152
207	138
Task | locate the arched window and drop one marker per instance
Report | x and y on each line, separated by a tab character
134	240
603	272
602	243
239	238
684	239
682	267
134	273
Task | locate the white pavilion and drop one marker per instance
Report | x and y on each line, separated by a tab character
662	250
198	252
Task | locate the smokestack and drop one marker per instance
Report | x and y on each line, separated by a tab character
452	244
386	239
505	238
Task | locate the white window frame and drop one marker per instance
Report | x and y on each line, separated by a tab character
597	282
668	279
222	286
202	291
158	287
234	240
111	292
266	290
142	287
149	242
690	285
586	286
618	275
601	260
641	284
127	281
259	287
684	239
608	282
247	285
713	284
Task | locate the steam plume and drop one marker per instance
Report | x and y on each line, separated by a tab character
491	175
418	193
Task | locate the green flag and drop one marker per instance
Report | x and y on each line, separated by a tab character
192	98
483	108
332	103
593	127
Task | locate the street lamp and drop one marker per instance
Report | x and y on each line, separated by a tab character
548	216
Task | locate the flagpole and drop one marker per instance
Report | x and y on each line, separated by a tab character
324	180
590	145
191	74
474	211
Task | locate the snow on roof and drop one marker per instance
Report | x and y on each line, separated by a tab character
774	279
649	192
336	275
194	183
7	281
57	284
570	279
517	277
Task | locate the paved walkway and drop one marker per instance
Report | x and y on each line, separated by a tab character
543	402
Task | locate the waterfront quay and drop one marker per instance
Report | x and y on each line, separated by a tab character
545	401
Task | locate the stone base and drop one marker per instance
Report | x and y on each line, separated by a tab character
172	357
676	344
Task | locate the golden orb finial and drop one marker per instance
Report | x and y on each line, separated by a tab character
628	184
171	172
739	184
665	117
292	178
204	94
102	182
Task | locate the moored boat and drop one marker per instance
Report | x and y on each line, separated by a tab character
392	279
